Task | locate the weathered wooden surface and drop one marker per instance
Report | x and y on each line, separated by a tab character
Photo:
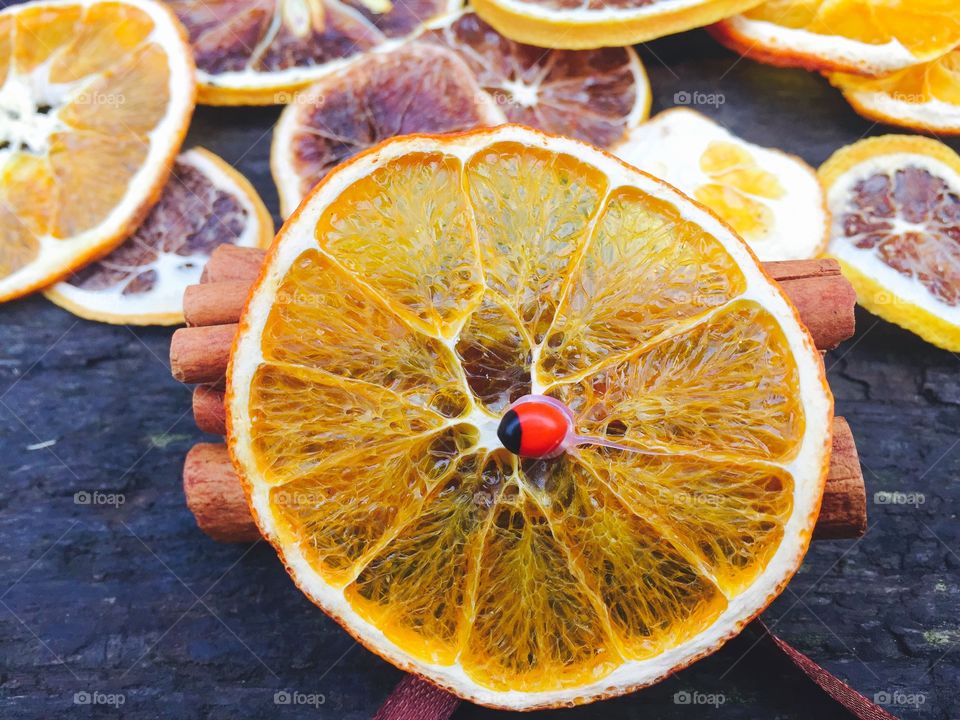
134	599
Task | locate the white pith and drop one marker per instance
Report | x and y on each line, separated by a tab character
934	114
606	14
871	59
175	272
900	287
283	163
670	147
26	93
806	468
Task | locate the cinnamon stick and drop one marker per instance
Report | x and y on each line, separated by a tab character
209	411
216	303
216	499
201	354
230	262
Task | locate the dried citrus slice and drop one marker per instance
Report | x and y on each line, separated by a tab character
428	283
205	203
773	200
922	97
458	75
262	52
95	98
579	24
895	202
856	36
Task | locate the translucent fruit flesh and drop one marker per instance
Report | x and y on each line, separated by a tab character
440	291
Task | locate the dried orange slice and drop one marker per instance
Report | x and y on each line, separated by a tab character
458	75
773	200
922	97
579	25
895	202
855	36
432	280
206	203
95	98
262	52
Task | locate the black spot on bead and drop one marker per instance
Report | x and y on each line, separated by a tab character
509	432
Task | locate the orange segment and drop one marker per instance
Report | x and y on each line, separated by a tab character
326	320
341	513
344	414
727	517
727	385
495	353
20	246
557	638
654	597
28	186
406	232
417	588
633	283
85	196
39	32
134	91
532	212
107	35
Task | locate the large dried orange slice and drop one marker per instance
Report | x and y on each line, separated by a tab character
922	97
895	202
262	52
205	203
95	98
773	200
856	36
458	75
584	24
420	289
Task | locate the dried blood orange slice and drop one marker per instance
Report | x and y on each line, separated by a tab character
895	202
428	283
585	24
922	97
773	200
261	52
458	75
855	36
95	98
205	203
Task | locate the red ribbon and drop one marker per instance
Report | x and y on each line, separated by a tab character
416	699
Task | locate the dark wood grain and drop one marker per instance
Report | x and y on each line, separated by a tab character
134	599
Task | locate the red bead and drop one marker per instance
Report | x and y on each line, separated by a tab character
543	427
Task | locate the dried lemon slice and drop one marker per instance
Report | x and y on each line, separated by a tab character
922	97
431	281
773	200
856	36
205	203
895	202
95	98
458	75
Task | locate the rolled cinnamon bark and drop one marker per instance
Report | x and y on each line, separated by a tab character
209	411
824	299
216	499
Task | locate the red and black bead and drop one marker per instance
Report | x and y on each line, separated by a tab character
533	429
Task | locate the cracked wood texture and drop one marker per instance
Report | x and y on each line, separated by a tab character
132	600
